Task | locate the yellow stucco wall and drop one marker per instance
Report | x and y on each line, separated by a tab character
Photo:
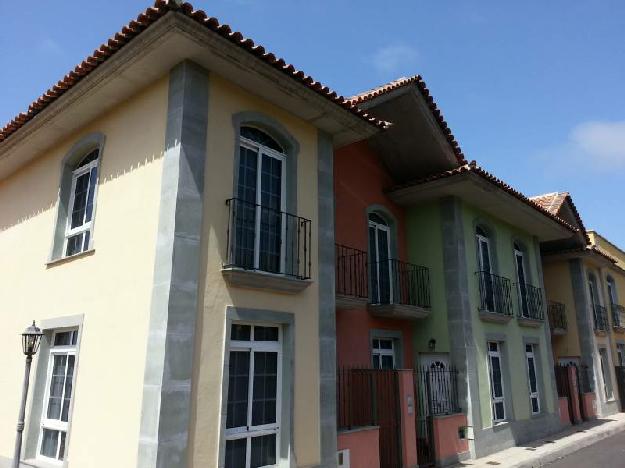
112	287
225	100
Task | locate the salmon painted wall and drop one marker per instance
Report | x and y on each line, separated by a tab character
359	182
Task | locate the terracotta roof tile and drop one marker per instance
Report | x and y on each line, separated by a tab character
553	203
425	92
146	19
473	168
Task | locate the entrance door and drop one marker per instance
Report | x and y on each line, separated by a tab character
380	253
438	380
485	264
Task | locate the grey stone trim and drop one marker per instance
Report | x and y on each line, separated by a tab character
327	300
278	131
459	321
165	415
533	340
87	143
287	321
32	430
499	337
398	343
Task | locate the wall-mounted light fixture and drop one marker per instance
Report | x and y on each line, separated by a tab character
432	344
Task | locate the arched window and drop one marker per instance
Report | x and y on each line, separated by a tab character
81	203
519	262
259	215
485	266
380	257
612	296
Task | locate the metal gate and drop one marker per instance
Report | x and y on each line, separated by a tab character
620	382
564	387
370	397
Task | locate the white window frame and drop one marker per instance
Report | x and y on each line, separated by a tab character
519	255
57	424
261	151
533	395
483	239
251	346
86	226
605	373
383	352
387	229
502	398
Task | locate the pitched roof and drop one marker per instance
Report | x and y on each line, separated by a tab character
149	17
553	202
473	168
425	92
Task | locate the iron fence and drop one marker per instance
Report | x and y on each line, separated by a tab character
495	293
530	302
618	316
265	239
557	315
600	316
351	272
397	282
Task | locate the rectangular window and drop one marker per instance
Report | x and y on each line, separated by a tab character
383	353
620	349
496	381
58	396
530	357
605	373
254	399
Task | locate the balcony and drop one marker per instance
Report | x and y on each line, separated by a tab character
618	318
531	312
495	297
352	282
399	290
557	318
267	249
600	316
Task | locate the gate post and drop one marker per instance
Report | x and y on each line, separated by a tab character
574	394
408	413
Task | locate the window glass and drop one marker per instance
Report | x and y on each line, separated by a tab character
240	332
496	382
266	333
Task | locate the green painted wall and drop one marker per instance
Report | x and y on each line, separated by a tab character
514	350
424	242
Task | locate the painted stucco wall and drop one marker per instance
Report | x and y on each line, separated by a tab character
226	100
424	239
111	287
514	349
559	288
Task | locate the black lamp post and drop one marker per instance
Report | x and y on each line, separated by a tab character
30	344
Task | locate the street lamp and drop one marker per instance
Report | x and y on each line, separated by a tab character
30	344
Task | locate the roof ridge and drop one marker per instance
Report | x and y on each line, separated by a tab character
148	17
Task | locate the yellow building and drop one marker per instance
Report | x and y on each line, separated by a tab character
577	274
131	231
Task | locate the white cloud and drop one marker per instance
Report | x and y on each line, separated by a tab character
602	143
393	58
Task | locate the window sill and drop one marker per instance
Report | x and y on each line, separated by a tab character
61	260
500	426
252	279
495	317
38	463
529	322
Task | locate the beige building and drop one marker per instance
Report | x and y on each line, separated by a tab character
143	201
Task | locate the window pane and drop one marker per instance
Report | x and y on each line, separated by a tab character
263	451
93	176
67	397
376	361
49	443
266	333
387	362
271	218
532	374
63	338
235	453
62	446
240	332
496	370
386	344
80	200
238	388
265	388
57	382
528	348
493	347
74	244
499	411
245	209
376	344
535	408
261	137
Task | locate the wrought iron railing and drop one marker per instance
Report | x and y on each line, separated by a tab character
437	390
600	315
618	316
397	282
495	293
557	315
264	239
351	272
530	302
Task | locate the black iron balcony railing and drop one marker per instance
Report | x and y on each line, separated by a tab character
600	315
397	282
264	239
557	315
351	272
495	293
618	316
530	302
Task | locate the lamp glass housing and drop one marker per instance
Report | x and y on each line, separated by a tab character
31	338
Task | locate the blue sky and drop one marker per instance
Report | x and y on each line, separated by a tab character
532	90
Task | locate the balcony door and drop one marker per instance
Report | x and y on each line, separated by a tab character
521	281
380	255
259	224
485	264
